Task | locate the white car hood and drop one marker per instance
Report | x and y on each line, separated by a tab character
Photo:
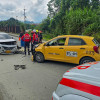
7	40
87	73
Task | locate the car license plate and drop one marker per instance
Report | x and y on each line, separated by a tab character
8	51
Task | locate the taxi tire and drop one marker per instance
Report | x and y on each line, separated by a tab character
86	59
39	57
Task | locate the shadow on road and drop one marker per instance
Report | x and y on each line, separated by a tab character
60	63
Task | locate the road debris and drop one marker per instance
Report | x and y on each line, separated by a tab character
19	66
19	52
2	60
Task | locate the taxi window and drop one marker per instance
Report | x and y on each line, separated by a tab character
61	41
57	42
76	41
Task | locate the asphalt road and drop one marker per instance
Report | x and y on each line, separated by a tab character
36	82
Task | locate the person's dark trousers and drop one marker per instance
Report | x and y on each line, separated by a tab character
27	45
32	48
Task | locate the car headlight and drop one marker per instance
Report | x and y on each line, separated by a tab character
36	45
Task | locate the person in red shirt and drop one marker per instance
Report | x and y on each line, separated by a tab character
27	39
35	40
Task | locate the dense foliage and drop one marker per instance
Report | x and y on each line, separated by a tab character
79	17
15	26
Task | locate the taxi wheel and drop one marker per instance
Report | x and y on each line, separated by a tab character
39	57
86	60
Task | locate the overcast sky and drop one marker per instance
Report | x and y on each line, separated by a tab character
36	10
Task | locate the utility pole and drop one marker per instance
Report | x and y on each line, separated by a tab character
24	17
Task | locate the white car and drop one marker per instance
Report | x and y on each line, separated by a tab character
80	83
7	44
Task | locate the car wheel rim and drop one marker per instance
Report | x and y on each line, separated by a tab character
86	61
38	58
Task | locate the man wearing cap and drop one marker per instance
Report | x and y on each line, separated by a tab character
35	40
27	38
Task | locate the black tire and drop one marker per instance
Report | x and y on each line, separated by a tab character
39	57
86	60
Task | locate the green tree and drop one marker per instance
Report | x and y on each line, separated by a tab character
44	26
95	4
72	17
75	4
53	7
22	27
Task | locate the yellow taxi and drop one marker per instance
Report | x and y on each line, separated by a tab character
68	48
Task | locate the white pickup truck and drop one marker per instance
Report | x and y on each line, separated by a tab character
7	44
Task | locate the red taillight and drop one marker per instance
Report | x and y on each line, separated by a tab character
95	48
52	98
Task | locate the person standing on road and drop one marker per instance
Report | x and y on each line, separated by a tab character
27	38
21	41
34	41
32	32
37	35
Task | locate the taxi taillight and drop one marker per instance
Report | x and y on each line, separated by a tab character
95	48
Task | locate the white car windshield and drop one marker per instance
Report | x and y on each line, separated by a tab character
4	36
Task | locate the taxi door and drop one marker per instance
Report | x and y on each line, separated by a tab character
55	49
75	48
